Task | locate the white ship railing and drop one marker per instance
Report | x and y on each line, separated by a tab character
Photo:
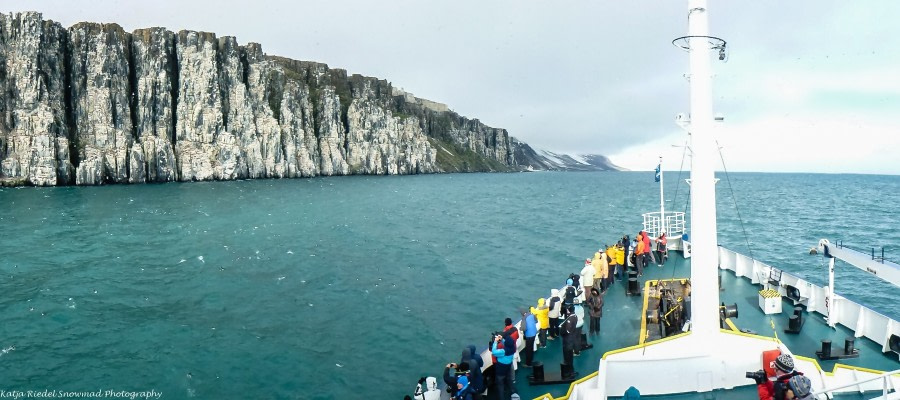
862	320
887	385
843	379
672	221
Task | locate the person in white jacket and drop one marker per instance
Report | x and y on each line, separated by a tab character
555	304
587	277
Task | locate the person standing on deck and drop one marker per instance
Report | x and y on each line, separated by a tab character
620	261
648	249
503	370
541	312
661	243
471	361
568	332
531	329
595	306
626	254
601	265
554	312
639	255
570	293
510	330
613	264
588	273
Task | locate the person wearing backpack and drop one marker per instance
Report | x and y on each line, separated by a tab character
553	313
799	388
570	293
777	390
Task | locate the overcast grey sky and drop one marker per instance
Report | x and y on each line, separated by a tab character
811	86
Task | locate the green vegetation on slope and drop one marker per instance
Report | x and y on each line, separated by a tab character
453	158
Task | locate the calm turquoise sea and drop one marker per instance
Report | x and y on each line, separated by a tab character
339	287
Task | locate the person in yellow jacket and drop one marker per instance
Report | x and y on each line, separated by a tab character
613	264
620	260
541	313
602	268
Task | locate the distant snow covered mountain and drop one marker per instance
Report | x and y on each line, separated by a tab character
582	162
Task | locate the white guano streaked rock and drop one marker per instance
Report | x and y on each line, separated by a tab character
34	134
100	102
265	84
299	138
380	143
203	150
331	133
152	156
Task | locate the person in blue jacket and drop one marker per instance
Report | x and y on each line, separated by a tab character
503	370
530	332
463	389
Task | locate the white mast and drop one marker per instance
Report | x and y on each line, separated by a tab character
662	205
707	358
704	240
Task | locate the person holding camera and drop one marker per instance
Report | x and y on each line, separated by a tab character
503	369
451	379
777	390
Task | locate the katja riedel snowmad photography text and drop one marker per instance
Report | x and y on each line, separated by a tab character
65	394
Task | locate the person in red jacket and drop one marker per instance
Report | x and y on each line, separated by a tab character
661	243
648	249
784	371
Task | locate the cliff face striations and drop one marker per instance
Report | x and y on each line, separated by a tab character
93	104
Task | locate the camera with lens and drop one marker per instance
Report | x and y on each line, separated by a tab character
758	376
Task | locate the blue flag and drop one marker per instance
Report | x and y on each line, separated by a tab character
658	166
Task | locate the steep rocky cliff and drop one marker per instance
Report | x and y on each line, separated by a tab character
93	104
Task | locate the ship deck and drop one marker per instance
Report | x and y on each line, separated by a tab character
621	326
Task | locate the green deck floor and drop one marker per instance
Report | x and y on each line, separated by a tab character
620	327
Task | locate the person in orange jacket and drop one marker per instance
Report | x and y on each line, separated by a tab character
639	255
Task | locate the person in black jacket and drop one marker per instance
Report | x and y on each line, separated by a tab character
472	362
569	333
595	307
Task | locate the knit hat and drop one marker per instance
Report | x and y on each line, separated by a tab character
462	380
785	363
800	385
569	281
